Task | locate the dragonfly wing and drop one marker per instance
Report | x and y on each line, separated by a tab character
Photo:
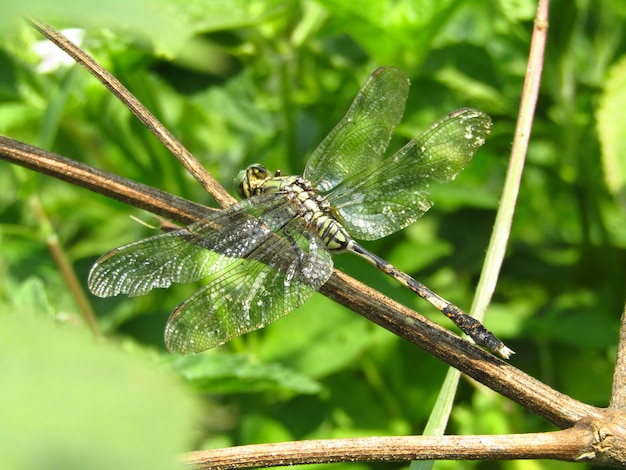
191	253
138	267
362	136
277	277
394	193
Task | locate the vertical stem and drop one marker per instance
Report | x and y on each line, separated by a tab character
504	218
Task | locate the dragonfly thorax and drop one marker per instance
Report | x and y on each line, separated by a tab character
307	204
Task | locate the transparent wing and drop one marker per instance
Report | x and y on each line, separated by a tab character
260	261
394	193
248	294
189	254
362	136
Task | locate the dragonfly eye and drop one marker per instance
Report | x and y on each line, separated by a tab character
248	181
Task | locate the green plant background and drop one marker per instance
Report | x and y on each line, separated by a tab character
240	82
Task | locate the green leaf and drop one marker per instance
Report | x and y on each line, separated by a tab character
379	26
259	429
231	373
30	297
319	339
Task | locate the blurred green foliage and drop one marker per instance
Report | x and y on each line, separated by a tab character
263	81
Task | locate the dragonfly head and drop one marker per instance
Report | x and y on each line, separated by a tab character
249	182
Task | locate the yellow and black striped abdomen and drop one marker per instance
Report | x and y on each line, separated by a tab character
315	211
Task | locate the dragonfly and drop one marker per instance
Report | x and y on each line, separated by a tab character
264	256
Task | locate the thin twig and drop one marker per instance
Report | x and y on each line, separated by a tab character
498	375
101	182
64	266
567	445
139	110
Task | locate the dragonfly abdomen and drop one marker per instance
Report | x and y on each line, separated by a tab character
332	233
315	211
